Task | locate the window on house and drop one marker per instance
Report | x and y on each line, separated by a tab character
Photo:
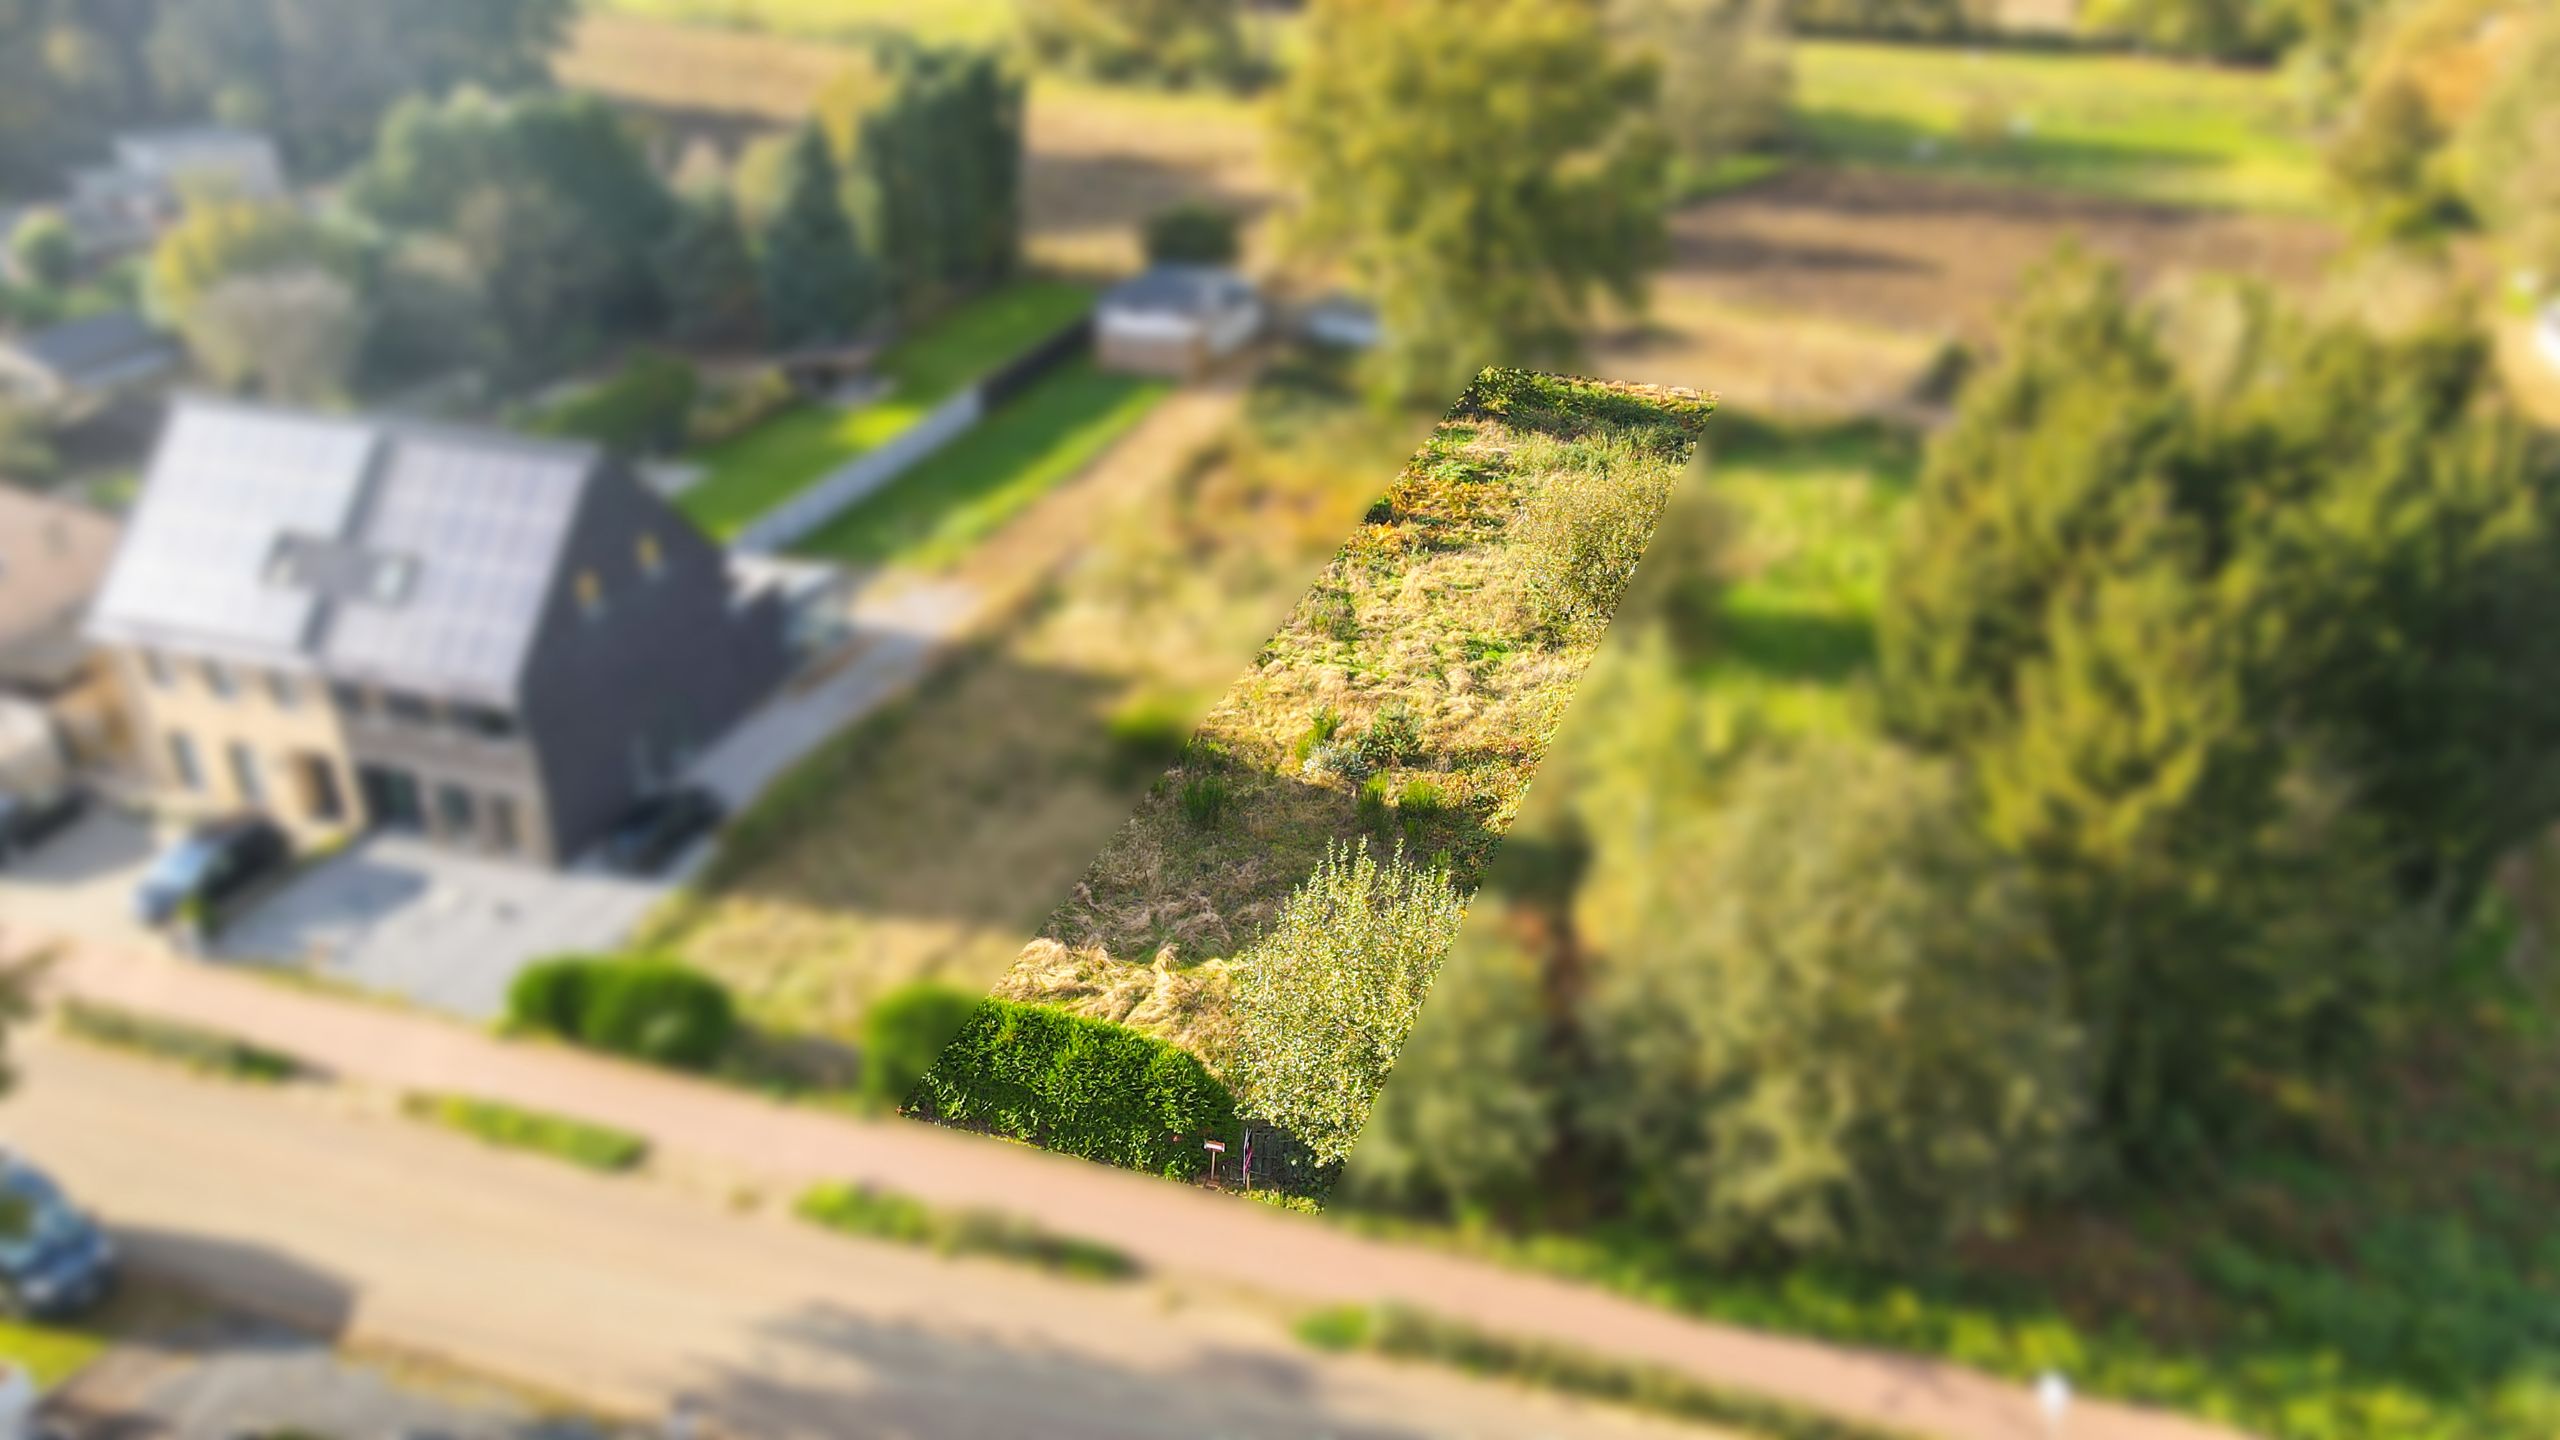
155	667
484	722
457	812
409	708
244	774
283	689
182	761
349	698
652	555
590	594
217	678
502	824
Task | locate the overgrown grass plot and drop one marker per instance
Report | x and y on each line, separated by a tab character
1351	787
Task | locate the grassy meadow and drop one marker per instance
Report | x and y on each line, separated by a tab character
751	473
933	514
2132	126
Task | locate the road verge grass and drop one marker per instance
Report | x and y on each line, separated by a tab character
1402	1333
511	1127
877	1214
207	1052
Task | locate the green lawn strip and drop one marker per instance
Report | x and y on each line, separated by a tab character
596	1147
903	1219
1407	1334
208	1052
975	22
50	1354
751	473
965	492
2125	125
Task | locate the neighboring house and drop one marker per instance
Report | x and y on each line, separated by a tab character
1341	322
123	206
53	554
86	367
496	641
1175	320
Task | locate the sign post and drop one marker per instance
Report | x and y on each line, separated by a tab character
2053	1397
1215	1148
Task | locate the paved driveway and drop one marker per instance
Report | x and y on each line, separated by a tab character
399	915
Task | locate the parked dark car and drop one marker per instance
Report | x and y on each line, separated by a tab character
26	820
214	863
54	1261
660	828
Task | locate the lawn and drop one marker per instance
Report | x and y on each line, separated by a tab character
1808	516
2125	125
754	472
939	21
50	1353
936	511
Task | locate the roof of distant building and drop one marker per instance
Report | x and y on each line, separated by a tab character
96	349
1197	291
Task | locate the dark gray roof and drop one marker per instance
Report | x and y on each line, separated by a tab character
96	347
396	552
1191	290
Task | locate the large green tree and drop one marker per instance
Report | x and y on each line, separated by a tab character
1484	231
552	198
1725	75
2248	669
1181	42
819	285
321	74
932	153
709	274
1837	1023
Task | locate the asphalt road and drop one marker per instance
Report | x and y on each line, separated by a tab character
625	1292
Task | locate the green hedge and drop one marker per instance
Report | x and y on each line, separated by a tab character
904	1032
1082	1087
597	1147
886	1215
207	1051
653	1010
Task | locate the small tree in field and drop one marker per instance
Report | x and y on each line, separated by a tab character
817	281
1325	1000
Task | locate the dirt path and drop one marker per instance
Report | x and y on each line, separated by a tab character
1173	1230
623	1293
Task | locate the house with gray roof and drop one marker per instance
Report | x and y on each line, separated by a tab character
82	367
1175	320
349	622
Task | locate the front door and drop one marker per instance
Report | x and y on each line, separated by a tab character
391	799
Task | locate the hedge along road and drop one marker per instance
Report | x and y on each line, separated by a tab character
1169	1229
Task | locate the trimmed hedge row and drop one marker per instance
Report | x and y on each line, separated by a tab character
1078	1086
653	1010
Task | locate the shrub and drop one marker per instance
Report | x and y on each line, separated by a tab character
1392	738
724	412
207	1051
1420	802
1321	728
885	1215
1580	536
1079	1086
903	1031
44	251
653	1010
1205	799
1324	1000
597	1147
1194	233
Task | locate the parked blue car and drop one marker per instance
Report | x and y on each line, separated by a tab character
54	1261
